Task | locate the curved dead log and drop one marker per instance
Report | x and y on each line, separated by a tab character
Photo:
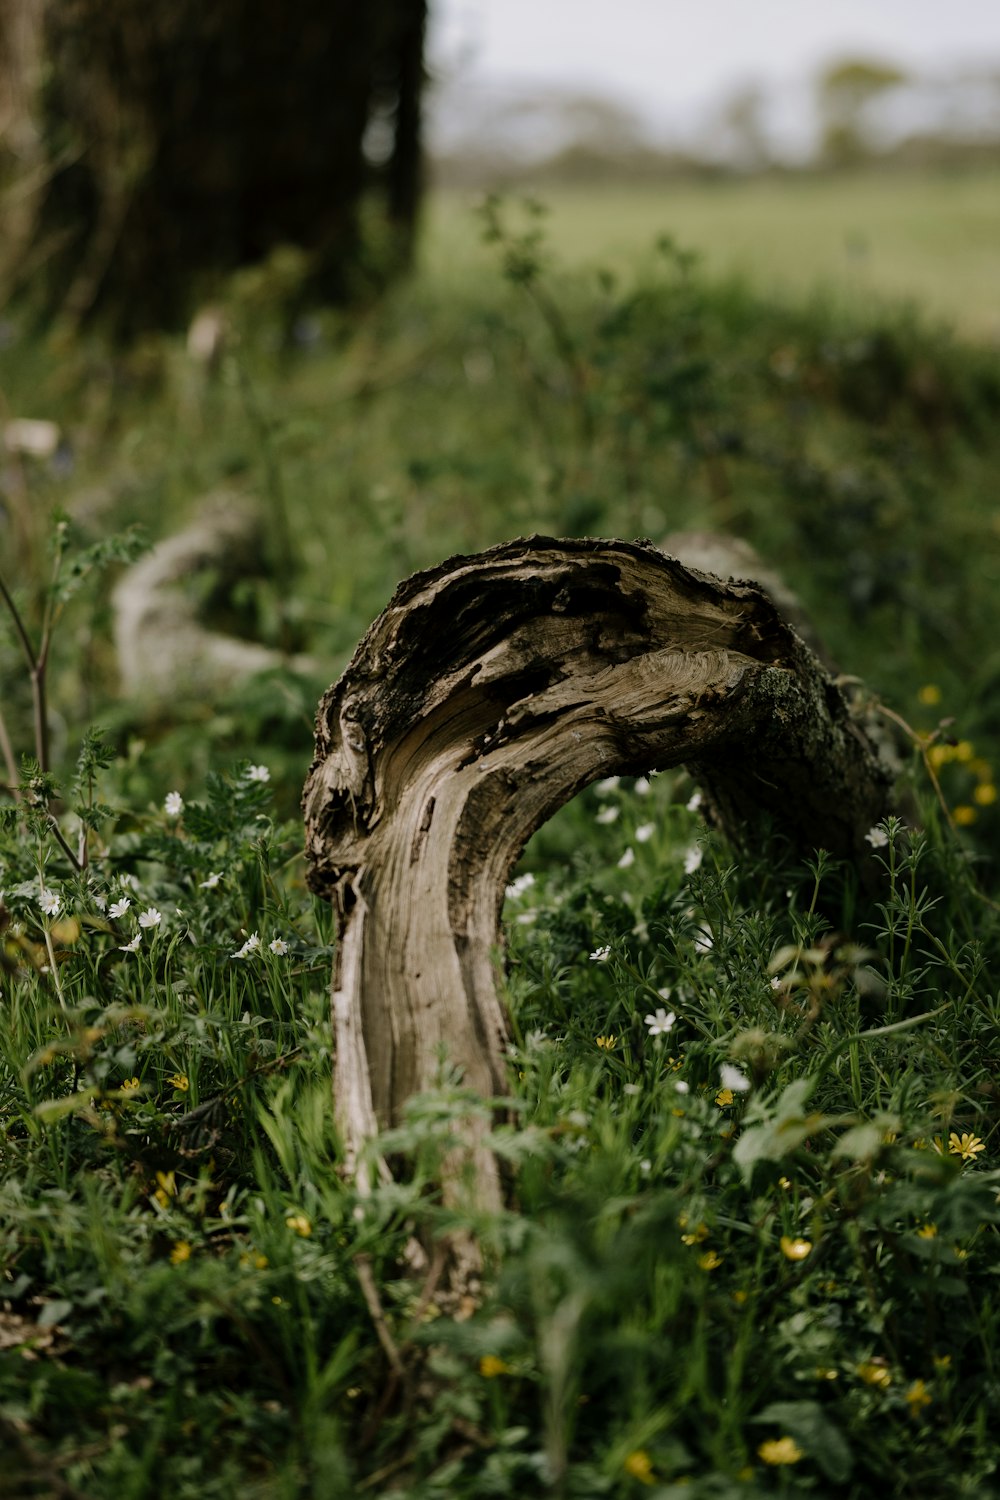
490	691
166	649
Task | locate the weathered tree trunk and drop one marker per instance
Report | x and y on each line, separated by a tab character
148	151
489	692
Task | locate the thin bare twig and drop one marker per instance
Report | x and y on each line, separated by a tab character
363	1266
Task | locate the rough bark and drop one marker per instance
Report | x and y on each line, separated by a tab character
489	692
148	151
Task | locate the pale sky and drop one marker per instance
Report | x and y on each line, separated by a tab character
669	57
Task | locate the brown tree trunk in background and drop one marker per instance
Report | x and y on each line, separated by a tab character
404	173
490	691
172	144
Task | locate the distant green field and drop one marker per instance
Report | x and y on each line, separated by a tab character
932	239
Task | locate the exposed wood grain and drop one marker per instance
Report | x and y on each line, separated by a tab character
489	692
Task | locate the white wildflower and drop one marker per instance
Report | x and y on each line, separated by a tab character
608	814
601	955
211	882
643	786
278	946
50	902
733	1078
250	946
877	837
693	857
644	832
173	804
609	784
150	917
694	802
133	946
119	908
258	773
681	1087
525	918
519	885
101	902
627	859
660	1021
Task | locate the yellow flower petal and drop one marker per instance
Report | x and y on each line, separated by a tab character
640	1466
783	1450
793	1249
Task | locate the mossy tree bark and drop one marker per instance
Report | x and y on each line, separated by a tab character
490	691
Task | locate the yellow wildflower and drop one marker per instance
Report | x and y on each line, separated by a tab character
875	1372
783	1450
966	1146
724	1098
964	751
929	695
985	794
179	1081
942	1361
180	1253
784	1183
490	1367
939	755
739	1297
128	1085
927	1231
693	1236
917	1397
640	1466
964	815
300	1224
794	1249
166	1189
606	1042
709	1261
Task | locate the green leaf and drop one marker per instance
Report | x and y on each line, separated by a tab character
776	1137
71	1104
815	1434
54	1312
861	1143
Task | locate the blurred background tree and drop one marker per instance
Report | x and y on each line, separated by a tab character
147	151
849	91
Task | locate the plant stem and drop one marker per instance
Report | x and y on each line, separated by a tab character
7	751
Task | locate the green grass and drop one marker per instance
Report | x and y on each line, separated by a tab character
752	1252
926	239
